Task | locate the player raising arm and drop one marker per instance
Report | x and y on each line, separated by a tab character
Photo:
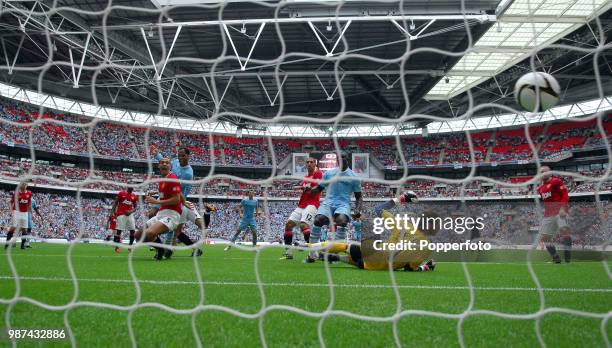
555	195
170	208
307	207
337	203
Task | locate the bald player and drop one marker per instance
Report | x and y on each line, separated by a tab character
340	184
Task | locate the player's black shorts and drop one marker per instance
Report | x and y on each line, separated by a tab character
355	252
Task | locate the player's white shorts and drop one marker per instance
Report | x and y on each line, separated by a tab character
168	217
189	215
20	219
304	214
126	223
552	224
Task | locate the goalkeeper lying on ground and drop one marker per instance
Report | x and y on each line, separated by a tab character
365	256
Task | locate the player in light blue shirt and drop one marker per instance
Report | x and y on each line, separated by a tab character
30	222
248	210
182	170
337	203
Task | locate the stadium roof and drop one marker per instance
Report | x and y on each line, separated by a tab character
239	62
524	28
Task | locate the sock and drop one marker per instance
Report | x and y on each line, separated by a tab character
254	237
306	232
183	238
235	237
567	253
288	236
23	240
117	238
132	237
160	250
288	239
341	233
168	237
552	251
334	248
9	235
315	236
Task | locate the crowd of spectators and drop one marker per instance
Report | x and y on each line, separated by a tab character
53	175
130	142
50	134
505	222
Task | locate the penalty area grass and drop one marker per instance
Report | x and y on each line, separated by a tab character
166	304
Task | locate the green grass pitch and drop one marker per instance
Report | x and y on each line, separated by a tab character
230	285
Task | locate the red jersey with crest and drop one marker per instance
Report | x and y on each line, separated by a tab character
311	198
555	195
126	202
24	201
168	189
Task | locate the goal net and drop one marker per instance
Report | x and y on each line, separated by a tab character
417	97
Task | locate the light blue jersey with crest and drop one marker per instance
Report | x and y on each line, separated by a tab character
248	208
339	192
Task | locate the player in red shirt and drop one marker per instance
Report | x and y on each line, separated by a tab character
123	208
307	206
111	225
21	205
554	194
170	202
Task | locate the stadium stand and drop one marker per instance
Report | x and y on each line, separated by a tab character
129	142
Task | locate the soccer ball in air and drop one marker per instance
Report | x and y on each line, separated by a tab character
537	91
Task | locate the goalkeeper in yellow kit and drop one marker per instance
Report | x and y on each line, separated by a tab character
365	256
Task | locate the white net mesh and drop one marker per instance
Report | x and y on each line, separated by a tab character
234	110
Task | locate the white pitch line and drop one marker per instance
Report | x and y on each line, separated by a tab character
137	258
311	285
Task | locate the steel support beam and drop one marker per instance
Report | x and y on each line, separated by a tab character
229	37
316	73
322	19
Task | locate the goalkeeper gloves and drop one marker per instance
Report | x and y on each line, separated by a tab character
409	197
